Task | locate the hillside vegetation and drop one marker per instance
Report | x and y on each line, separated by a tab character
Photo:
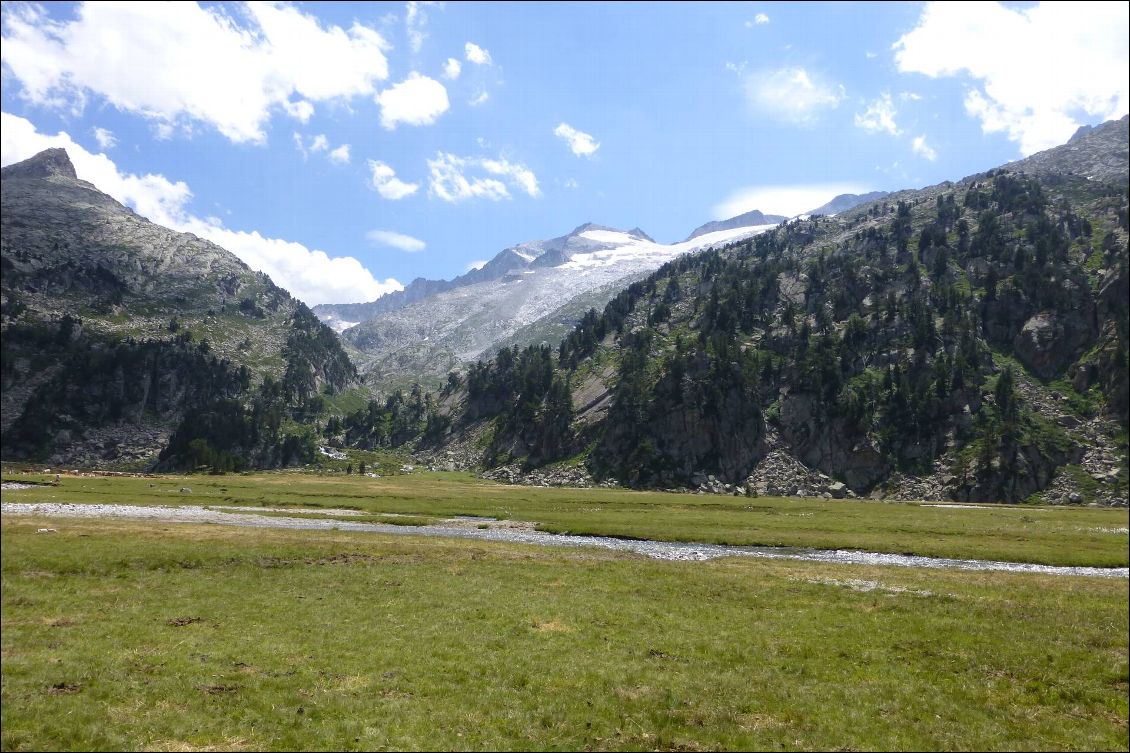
966	340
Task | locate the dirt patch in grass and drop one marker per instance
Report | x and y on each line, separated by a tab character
64	688
219	689
182	621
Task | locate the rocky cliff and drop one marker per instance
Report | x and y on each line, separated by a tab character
115	327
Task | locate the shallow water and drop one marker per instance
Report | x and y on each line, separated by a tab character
662	550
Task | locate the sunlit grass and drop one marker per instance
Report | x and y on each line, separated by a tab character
1021	533
129	635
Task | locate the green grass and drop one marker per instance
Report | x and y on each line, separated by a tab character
1081	404
120	635
1049	535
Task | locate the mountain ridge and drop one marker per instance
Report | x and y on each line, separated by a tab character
966	341
115	329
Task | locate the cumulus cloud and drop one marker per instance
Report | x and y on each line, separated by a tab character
580	143
387	184
792	95
415	23
452	179
418	100
319	143
761	19
476	54
310	275
227	66
1032	72
105	138
452	68
879	117
922	149
339	156
788	200
396	240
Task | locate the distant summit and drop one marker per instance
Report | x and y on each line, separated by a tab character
846	201
749	219
634	232
46	164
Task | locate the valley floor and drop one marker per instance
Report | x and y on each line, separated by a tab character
123	634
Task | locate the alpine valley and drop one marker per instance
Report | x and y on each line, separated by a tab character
965	341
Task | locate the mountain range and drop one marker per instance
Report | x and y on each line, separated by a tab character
963	341
532	292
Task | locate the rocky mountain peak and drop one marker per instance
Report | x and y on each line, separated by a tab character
636	232
46	164
749	219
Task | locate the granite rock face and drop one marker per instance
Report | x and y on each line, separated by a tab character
114	326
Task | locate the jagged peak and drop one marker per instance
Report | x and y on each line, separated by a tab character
636	232
48	163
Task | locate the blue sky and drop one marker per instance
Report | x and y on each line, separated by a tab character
348	148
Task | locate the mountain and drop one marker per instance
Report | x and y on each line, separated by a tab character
749	219
116	330
531	292
342	316
965	341
1098	154
846	201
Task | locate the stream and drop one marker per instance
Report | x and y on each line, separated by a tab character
469	528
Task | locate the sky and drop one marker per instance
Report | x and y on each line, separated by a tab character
346	149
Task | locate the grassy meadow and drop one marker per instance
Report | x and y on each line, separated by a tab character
1016	533
141	635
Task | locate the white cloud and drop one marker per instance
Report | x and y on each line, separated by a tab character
319	143
452	68
396	240
310	275
339	156
387	184
476	54
761	19
519	175
449	179
418	100
301	110
792	95
415	21
105	138
580	143
879	116
479	98
476	264
922	149
786	200
571	183
229	66
1033	72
